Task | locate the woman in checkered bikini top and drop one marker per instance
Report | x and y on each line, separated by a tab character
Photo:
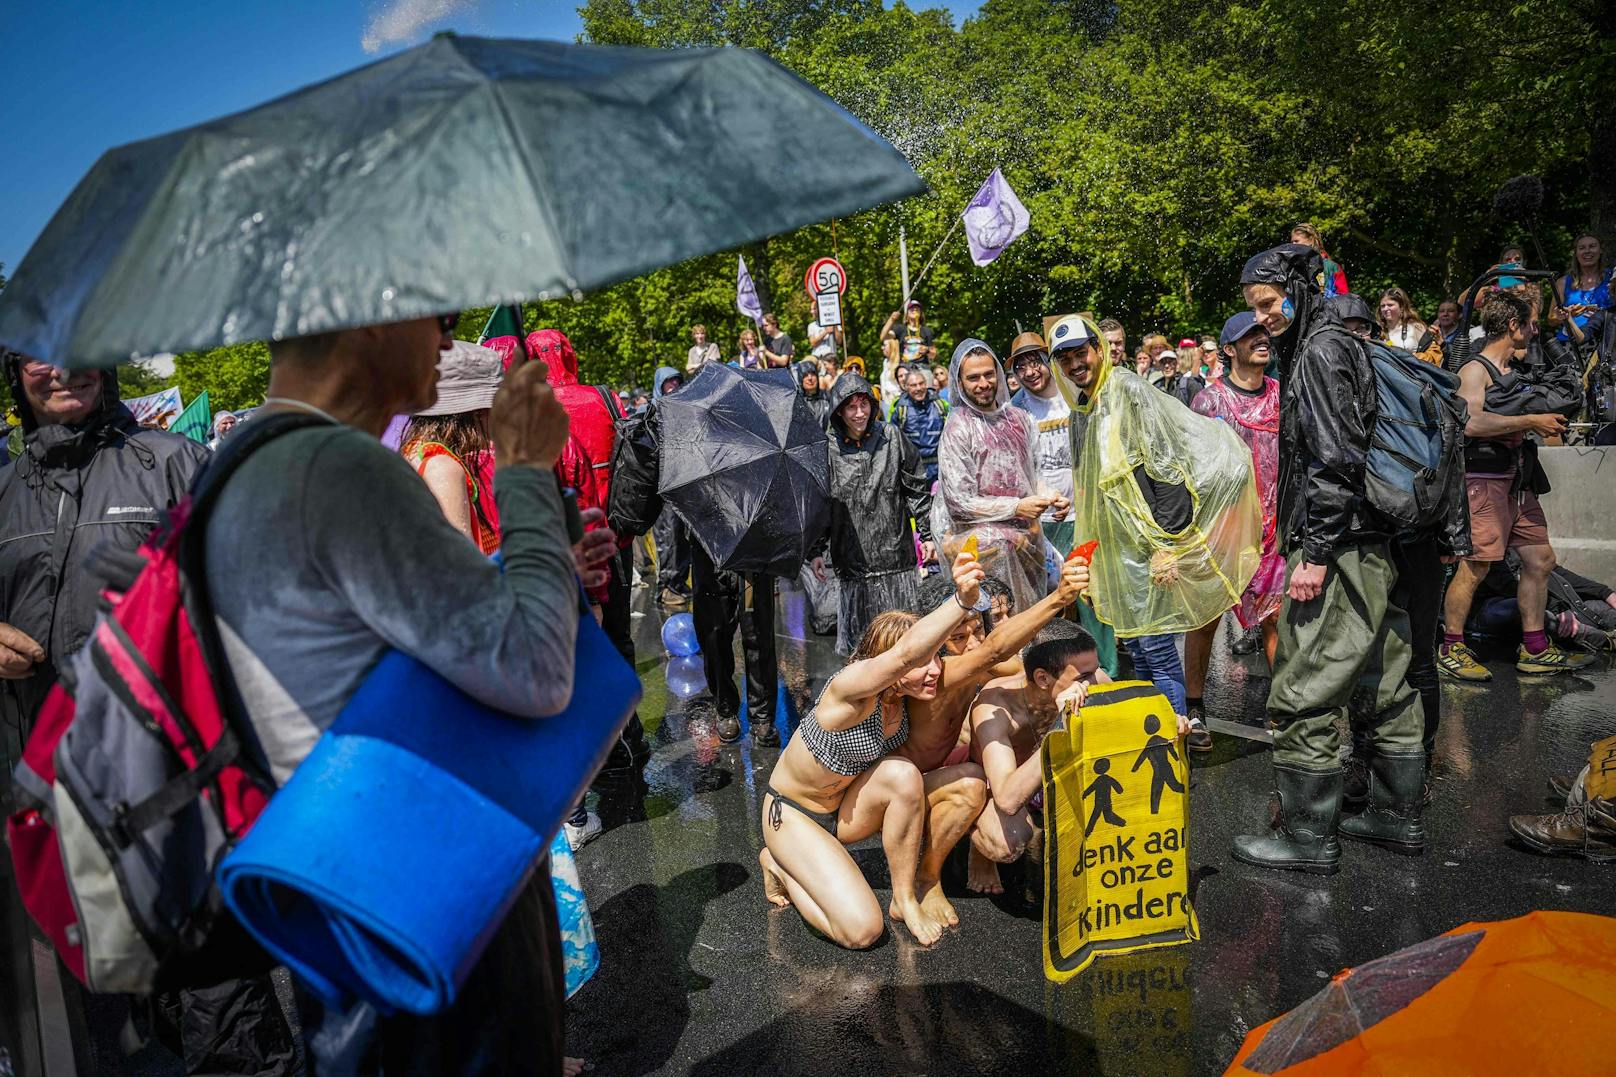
837	782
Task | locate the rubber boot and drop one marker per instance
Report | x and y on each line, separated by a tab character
1396	789
1307	810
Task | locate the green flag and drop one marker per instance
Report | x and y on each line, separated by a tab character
196	421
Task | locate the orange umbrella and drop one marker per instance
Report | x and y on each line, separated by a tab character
1536	994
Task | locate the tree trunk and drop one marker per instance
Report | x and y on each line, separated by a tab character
1602	145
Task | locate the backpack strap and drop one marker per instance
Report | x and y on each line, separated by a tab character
232	453
614	406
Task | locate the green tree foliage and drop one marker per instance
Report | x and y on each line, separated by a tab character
234	377
140	379
1157	144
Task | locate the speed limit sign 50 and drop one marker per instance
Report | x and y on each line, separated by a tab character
825	275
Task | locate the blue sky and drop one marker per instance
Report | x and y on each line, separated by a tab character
81	76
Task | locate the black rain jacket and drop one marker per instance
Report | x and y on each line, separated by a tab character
877	485
73	489
818	400
1327	411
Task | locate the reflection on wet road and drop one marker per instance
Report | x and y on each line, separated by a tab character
698	975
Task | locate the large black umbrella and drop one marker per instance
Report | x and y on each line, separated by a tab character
465	172
744	464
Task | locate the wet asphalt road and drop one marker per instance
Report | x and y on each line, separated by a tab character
700	976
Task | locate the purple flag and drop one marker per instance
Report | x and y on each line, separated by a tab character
746	298
994	218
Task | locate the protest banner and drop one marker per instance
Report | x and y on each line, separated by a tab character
1116	809
156	410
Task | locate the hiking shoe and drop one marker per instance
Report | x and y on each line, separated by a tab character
1550	660
729	728
764	735
669	599
1562	784
1588	831
1198	739
581	834
1459	662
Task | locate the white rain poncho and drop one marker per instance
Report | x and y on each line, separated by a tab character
1144	580
985	467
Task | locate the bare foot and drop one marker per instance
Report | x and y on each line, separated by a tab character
774	887
572	1067
938	907
983	874
921	925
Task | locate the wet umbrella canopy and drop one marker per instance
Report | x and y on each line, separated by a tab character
465	172
1536	994
744	465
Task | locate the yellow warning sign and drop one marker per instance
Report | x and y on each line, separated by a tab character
1601	781
1116	807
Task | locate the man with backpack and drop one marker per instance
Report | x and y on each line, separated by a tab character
361	561
1339	626
920	413
1418	558
1503	480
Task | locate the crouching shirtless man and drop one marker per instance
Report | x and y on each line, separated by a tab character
936	725
1008	724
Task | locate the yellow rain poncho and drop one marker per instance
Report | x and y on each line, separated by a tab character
1146	581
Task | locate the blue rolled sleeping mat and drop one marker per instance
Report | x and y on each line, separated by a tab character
386	863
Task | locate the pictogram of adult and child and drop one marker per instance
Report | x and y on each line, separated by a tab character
1159	752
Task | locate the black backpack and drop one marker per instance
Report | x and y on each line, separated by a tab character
633	504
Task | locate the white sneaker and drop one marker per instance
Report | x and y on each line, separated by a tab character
579	836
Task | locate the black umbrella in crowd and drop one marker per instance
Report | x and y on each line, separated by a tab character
743	463
465	172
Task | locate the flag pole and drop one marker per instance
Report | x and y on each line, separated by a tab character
903	264
932	259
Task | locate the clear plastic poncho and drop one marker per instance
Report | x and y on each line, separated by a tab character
985	466
1144	580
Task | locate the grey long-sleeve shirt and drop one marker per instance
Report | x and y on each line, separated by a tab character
326	549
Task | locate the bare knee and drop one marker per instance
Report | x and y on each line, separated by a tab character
902	780
860	932
1538	561
968	792
1000	847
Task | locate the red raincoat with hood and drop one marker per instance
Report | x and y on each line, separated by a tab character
593	412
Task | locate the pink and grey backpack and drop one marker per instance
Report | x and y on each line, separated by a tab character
141	771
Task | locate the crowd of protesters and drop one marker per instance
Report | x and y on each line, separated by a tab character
967	612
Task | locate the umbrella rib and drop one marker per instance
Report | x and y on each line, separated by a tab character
541	196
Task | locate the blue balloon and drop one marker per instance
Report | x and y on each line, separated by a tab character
679	636
686	676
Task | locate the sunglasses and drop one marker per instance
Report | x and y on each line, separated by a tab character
447	322
1030	360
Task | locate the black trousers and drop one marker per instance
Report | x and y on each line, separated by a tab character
672	540
719	608
618	624
1421	581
